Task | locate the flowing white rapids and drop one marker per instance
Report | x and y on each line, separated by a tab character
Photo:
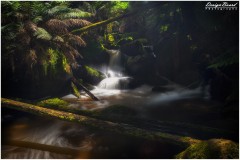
114	83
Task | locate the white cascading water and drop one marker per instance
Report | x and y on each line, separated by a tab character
115	79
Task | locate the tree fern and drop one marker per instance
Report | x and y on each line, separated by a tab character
58	10
76	22
76	40
58	39
75	13
26	23
41	33
30	26
57	26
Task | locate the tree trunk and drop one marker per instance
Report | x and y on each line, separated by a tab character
100	124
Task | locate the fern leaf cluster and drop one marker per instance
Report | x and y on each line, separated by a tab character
76	13
76	40
41	33
57	26
76	22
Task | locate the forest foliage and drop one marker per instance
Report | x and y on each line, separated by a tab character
40	43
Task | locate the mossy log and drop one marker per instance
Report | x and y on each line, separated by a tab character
102	23
99	124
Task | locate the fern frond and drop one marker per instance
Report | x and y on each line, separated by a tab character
57	10
76	22
42	34
23	36
70	57
89	8
77	40
57	26
58	39
225	60
75	13
37	19
30	26
70	52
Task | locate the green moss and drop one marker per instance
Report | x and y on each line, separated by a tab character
75	90
53	103
71	117
92	71
110	38
62	117
213	148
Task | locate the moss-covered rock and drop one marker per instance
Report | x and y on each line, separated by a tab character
92	71
88	74
213	148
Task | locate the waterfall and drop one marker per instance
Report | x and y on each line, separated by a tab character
115	60
114	83
115	78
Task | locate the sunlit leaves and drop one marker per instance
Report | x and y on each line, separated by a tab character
52	56
66	66
110	38
119	6
164	28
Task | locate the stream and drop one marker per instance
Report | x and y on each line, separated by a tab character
180	111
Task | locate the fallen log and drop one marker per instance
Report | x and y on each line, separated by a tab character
76	82
43	147
99	124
